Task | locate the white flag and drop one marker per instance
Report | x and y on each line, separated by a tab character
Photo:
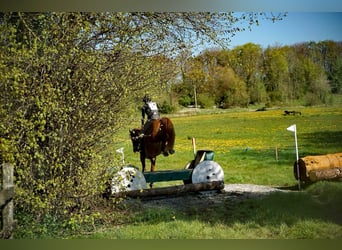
292	128
120	150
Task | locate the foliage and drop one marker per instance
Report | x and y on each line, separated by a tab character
166	108
229	89
276	74
185	100
56	227
205	101
337	76
60	99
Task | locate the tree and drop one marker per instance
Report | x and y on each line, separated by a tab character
276	74
324	54
315	84
228	88
246	62
61	98
336	76
330	55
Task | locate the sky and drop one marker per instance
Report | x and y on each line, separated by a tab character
296	27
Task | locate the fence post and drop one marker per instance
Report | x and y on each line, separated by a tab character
7	212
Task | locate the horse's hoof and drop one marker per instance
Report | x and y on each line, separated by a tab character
165	153
171	151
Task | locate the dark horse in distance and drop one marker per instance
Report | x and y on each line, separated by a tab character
158	138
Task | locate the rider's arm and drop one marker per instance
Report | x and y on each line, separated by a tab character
142	115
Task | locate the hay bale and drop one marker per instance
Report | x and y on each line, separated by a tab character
319	167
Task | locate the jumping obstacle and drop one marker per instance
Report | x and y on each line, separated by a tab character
200	174
319	167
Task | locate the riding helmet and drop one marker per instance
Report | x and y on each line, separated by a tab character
146	98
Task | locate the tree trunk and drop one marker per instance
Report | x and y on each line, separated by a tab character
173	190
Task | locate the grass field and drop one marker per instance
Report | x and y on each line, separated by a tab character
245	143
251	147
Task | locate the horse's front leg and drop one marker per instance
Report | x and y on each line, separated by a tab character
153	164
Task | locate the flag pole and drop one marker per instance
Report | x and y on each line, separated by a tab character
293	128
297	159
194	145
121	151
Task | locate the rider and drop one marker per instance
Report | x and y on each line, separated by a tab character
150	109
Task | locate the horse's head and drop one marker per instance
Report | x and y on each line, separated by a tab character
136	139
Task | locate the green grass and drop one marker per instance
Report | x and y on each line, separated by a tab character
245	144
313	214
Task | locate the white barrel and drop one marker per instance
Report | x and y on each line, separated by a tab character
127	179
207	171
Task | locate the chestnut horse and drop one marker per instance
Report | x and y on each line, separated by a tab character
159	138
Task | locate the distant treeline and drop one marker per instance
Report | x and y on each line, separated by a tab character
307	73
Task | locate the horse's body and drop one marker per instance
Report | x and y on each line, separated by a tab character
157	134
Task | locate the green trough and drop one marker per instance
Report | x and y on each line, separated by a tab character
183	174
168	175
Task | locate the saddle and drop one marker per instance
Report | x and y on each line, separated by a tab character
153	128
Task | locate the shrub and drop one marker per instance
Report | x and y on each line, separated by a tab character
205	101
166	108
184	100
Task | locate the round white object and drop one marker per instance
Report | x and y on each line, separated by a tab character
207	171
128	178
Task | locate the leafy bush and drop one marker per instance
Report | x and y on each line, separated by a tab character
205	101
166	108
185	100
61	102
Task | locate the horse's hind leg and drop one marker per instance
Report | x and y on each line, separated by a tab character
153	164
164	146
171	142
170	139
167	137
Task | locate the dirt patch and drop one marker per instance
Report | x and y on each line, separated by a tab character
203	199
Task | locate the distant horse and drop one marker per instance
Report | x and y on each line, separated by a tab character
159	138
293	112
